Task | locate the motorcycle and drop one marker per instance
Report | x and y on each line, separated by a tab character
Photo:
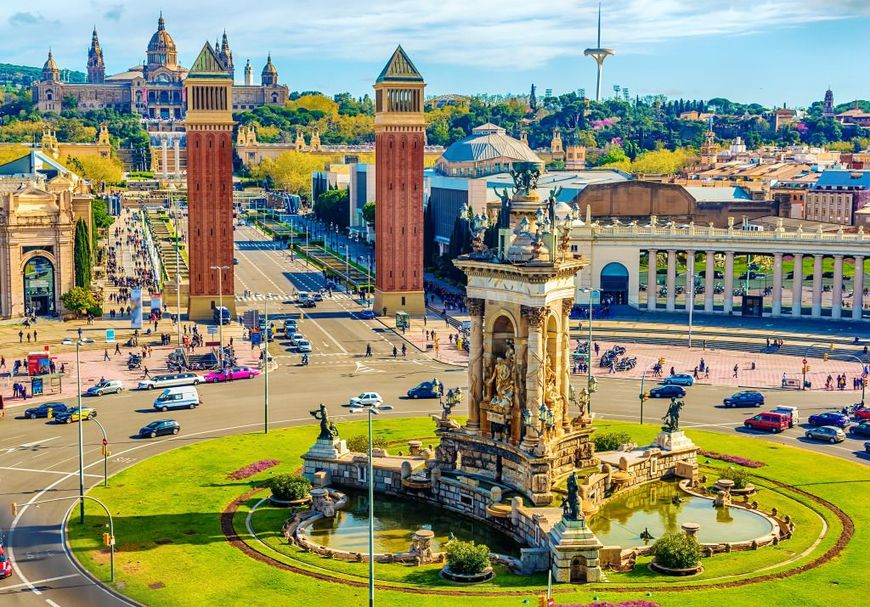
626	364
134	361
304	360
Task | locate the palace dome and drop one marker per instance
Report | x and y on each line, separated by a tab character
161	47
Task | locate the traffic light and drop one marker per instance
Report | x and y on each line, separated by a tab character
661	360
14	507
105	448
107	539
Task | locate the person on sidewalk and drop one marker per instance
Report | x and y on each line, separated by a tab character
28	337
145	373
395	352
735	370
404	350
21	337
2	362
368	351
695	373
707	373
106	354
35	334
117	349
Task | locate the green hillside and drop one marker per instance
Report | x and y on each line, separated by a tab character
24	75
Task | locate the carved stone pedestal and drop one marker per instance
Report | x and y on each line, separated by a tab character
674	441
327	448
575	551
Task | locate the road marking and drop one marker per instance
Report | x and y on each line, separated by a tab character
45	581
52	603
38	442
45	471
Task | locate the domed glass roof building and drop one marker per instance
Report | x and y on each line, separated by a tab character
487	151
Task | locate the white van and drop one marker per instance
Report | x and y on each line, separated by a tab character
177	398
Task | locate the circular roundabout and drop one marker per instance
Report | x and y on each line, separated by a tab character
181	514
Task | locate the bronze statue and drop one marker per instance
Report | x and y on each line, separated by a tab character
571	510
328	431
672	417
525	176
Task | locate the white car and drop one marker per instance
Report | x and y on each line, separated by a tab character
296	338
303	345
367	399
111	386
170	381
301	296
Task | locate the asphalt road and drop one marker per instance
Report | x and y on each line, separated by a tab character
39	460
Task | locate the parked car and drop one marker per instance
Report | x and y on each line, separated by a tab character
792	413
366	399
667	392
160	427
867	446
169	381
186	397
768	422
862	414
680	379
829	418
295	338
231	373
42	410
318	296
427	389
72	415
301	296
746	398
308	303
303	346
862	429
290	326
366	314
235	261
106	386
5	565
830	434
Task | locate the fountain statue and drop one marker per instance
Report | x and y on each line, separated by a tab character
451	399
328	445
571	504
328	431
671	438
672	416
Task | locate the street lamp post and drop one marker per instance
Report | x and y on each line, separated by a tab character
220	270
81	439
306	245
642	396
105	449
370	477
347	266
177	276
589	349
266	368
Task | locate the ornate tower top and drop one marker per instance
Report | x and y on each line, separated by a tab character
399	94
50	71
226	55
249	73
269	76
161	47
399	69
829	103
96	66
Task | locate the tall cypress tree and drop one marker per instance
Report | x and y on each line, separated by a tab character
82	255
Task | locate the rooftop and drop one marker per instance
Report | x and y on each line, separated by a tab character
844	179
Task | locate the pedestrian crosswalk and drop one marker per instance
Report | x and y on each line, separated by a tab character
264	297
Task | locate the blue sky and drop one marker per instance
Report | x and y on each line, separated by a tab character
770	51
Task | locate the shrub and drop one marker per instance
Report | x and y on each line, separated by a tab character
467	558
360	443
610	441
289	487
738	475
677	551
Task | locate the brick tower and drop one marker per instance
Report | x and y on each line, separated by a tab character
209	125
399	139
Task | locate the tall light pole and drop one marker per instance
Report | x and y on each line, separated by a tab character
306	245
220	270
266	367
642	396
347	266
370	477
177	275
589	348
81	438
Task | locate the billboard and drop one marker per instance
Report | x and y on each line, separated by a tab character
136	304
156	302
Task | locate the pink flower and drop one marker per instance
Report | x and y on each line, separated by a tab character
252	469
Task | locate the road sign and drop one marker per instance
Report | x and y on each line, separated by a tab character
805	361
212	330
110	336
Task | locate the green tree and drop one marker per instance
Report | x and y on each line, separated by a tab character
82	255
368	212
78	300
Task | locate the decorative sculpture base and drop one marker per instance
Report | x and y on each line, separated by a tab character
674	441
328	448
575	551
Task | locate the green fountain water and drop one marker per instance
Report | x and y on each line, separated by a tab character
396	520
621	521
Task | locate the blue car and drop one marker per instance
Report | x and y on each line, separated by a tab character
746	398
427	389
366	314
667	392
830	418
680	379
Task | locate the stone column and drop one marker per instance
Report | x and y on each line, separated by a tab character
535	357
475	364
176	144
164	159
797	284
776	309
690	280
672	281
817	286
565	371
651	276
728	303
858	284
837	290
709	281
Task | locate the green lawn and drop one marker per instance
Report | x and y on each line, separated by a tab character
171	550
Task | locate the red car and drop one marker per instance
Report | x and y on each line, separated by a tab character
5	565
768	422
231	374
862	414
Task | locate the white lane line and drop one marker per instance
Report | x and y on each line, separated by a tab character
45	471
51	603
38	442
4	589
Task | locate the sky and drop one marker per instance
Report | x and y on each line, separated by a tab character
766	51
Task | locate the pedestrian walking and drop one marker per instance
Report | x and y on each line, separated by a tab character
404	350
702	366
34	335
145	373
28	337
368	350
106	354
707	373
117	349
20	336
735	370
597	348
2	362
673	371
395	352
695	373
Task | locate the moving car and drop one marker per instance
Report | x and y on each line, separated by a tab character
42	410
186	397
235	261
106	386
221	315
366	399
232	373
169	381
667	392
303	346
318	296
160	427
829	418
680	379
768	422
295	338
5	565
72	415
792	413
861	414
366	314
289	327
308	303
862	429
826	433
427	389
301	296
746	398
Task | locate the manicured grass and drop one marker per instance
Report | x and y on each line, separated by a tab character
168	531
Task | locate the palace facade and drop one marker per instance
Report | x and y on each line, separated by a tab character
153	89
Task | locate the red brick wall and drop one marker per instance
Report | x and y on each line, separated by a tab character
210	209
399	211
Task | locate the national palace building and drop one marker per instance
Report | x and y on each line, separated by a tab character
153	89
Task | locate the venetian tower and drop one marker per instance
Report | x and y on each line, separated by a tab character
526	428
209	124
399	140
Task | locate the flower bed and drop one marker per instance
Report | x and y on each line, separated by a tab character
609	604
252	469
732	459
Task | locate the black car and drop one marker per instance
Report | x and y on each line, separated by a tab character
668	391
308	303
746	398
42	410
426	389
862	429
159	427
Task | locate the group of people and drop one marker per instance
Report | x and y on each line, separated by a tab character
450	300
857	382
